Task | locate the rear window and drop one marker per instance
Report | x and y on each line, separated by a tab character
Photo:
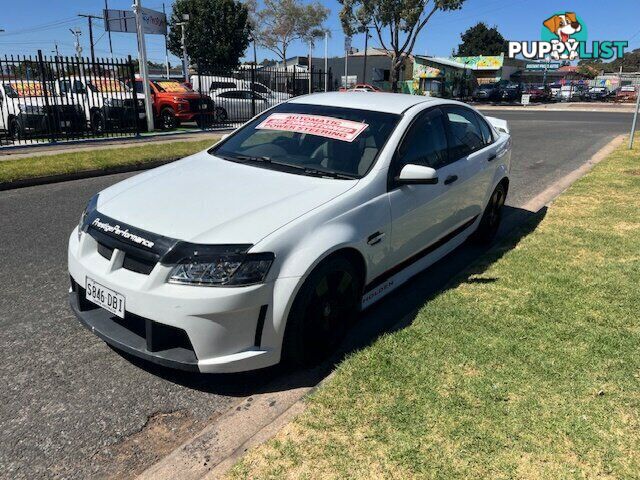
287	134
221	85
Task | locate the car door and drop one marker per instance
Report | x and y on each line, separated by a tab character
423	214
472	148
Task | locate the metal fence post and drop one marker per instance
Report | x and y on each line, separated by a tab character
45	92
132	75
253	89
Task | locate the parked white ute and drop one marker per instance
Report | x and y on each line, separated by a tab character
264	247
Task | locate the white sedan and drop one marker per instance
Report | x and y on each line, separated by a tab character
264	247
238	105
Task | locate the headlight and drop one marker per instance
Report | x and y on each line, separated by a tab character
226	269
88	210
32	109
113	102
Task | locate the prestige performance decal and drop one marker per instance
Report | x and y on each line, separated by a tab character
115	229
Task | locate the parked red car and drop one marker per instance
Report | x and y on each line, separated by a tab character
538	93
175	102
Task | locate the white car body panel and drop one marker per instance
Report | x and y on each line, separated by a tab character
231	216
301	219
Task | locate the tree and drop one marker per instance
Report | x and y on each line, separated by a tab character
282	22
481	40
589	68
630	62
217	33
402	19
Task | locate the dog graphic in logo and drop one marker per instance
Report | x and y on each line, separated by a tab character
564	25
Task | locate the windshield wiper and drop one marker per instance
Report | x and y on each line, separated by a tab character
249	158
306	170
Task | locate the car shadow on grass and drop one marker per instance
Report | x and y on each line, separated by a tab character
395	312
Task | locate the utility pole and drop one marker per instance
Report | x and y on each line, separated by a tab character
106	12
76	33
185	61
90	18
142	60
347	49
166	45
366	46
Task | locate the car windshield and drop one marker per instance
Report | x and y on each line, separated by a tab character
486	87
107	85
24	88
171	86
311	140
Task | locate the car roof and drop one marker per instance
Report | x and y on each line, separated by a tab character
381	102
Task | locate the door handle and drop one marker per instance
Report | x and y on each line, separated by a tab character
450	179
375	238
492	157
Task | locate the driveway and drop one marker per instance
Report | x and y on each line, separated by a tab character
72	407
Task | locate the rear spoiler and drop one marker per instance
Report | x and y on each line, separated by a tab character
498	124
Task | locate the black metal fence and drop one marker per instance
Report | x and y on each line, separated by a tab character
46	99
240	94
51	99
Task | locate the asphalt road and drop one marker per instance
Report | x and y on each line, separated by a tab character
71	407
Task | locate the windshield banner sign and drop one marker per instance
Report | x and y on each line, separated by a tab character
328	127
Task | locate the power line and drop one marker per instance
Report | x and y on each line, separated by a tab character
38	28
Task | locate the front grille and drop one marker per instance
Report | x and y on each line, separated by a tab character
195	104
138	265
130	262
106	252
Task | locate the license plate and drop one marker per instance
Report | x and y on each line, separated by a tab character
105	297
65	124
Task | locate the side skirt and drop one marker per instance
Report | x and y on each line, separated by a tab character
393	278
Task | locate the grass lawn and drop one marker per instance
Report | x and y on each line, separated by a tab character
530	369
40	166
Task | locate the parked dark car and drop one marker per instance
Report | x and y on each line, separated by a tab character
598	94
538	93
511	92
487	92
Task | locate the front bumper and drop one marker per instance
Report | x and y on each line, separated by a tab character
205	329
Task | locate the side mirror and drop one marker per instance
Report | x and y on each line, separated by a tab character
412	174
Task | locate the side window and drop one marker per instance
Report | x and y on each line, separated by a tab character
64	85
257	87
487	136
464	133
78	87
425	142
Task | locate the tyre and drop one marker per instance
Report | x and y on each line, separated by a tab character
168	119
327	303
16	131
98	123
220	114
491	217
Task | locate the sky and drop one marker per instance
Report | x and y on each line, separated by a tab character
40	24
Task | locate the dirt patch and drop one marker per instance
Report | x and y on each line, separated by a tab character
162	433
635	172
